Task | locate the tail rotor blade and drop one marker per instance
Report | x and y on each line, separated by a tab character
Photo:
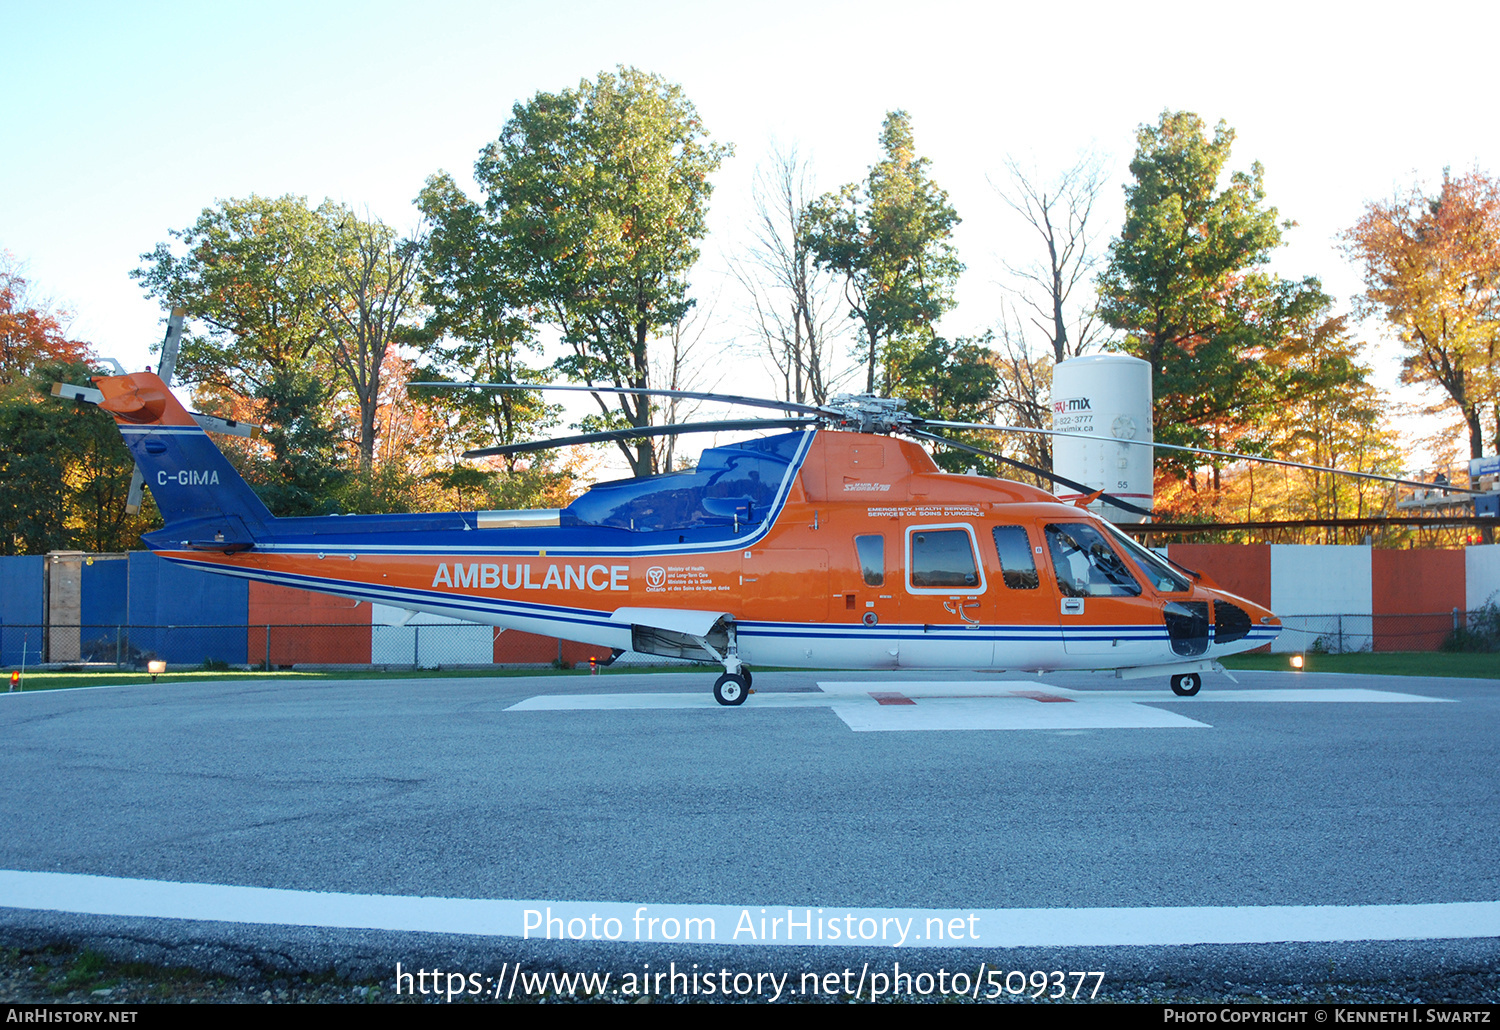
164	368
133	499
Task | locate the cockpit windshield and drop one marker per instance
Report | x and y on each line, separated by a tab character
1152	564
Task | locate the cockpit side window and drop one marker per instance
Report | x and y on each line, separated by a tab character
1013	549
1085	564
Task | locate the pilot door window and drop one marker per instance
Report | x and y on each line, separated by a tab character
1085	564
871	559
1013	550
940	559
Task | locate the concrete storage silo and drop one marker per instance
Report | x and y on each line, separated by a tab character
1107	397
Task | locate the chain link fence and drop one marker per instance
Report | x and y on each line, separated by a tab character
1455	630
352	646
465	645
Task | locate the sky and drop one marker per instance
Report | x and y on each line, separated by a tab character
126	120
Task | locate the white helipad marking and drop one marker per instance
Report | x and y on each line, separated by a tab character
1007	713
883	706
993	688
749	924
623	702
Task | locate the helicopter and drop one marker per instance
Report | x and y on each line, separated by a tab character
836	543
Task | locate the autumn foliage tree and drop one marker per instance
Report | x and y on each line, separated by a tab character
1337	420
1432	269
31	332
64	471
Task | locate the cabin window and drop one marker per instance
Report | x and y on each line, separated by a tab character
871	559
1013	549
1085	564
943	559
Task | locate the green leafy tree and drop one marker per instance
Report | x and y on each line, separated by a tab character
889	237
1186	285
599	195
255	276
302	473
954	379
64	470
481	329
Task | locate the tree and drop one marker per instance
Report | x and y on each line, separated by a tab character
1044	298
1059	212
787	289
600	196
682	364
889	237
368	301
479	326
1432	268
1022	386
1185	284
64	470
1337	422
31	332
256	276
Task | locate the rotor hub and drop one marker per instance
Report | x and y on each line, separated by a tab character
866	413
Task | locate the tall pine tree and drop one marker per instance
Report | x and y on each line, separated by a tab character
1186	283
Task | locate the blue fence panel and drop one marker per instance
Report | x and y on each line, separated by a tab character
163	595
106	593
21	608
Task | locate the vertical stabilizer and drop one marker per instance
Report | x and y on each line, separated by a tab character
201	497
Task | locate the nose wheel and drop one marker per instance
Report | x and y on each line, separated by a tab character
1187	684
732	688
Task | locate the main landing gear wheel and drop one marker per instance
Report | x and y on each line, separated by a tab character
1187	684
732	690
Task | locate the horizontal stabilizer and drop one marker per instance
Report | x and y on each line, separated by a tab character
211	423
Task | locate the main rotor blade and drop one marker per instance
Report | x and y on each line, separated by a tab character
1205	450
753	402
960	445
640	432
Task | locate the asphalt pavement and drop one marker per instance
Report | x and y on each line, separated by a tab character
1288	827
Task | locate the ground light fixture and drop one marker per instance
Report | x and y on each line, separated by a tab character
1297	662
156	667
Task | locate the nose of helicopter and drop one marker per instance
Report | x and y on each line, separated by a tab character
1240	623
